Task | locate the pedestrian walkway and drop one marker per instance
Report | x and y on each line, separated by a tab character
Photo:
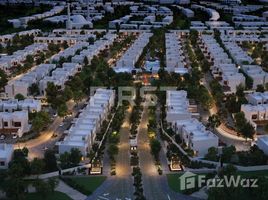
74	194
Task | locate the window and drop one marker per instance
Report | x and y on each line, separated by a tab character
254	117
2	163
5	124
17	124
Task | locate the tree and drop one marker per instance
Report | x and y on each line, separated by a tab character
50	160
155	147
15	188
34	89
248	131
62	110
78	96
65	160
3	78
266	128
227	153
29	59
40	121
212	154
67	93
19	96
260	88
53	183
240	121
193	37
37	166
112	150
228	170
75	156
42	187
214	121
51	92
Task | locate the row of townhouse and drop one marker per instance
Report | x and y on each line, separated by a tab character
59	76
148	23
252	25
186	11
219	25
256	73
233	9
94	49
23	21
84	128
214	15
229	77
9	37
198	25
45	73
180	116
11	105
70	51
237	53
145	10
177	106
17	58
222	67
14	115
195	136
243	18
76	32
175	60
127	62
23	83
60	37
256	110
211	25
251	36
6	153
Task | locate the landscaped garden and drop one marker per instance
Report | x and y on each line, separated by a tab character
86	184
55	196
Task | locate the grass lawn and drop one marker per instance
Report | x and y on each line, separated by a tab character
53	196
174	183
254	173
86	184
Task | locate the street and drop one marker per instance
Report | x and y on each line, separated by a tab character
37	146
121	185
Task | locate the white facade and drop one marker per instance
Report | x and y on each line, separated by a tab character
23	21
11	105
194	134
22	84
175	60
6	152
14	122
9	61
59	76
258	98
82	133
223	68
257	74
262	143
177	106
127	62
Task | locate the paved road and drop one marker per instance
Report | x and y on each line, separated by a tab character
230	139
121	185
155	186
45	140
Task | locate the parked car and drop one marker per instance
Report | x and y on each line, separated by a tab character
14	136
2	137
